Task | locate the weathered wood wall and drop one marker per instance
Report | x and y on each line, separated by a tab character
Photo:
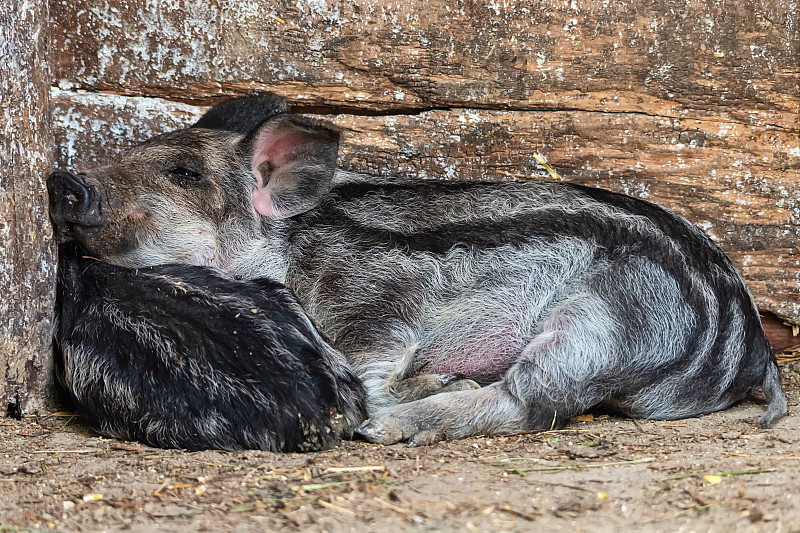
26	254
690	104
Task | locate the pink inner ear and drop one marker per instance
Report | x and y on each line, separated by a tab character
276	146
262	202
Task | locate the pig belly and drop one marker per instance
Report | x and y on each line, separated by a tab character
478	361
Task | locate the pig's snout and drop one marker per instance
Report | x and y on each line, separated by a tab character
73	201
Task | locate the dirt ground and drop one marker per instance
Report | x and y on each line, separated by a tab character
713	473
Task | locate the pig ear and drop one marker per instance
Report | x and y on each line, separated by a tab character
293	160
242	115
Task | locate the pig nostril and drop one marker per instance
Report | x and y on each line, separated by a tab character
72	199
76	193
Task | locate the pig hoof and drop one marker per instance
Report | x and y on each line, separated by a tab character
378	433
424	385
426	438
445	379
461	384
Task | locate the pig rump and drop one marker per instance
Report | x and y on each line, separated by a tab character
177	357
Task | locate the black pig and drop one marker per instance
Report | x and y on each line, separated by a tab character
177	357
552	297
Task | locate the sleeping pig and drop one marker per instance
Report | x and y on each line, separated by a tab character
178	357
465	308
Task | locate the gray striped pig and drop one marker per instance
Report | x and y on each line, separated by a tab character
465	308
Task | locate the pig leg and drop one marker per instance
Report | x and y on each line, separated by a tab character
388	372
424	385
449	415
568	367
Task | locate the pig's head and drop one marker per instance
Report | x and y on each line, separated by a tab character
198	195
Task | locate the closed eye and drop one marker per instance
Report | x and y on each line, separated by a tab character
185	174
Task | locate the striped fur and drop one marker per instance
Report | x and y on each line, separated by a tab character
558	297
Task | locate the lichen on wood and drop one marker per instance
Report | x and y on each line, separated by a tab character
26	253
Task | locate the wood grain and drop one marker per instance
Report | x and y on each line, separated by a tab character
27	263
737	61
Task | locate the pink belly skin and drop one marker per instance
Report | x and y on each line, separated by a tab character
473	362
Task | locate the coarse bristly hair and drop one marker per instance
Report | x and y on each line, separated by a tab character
177	357
465	308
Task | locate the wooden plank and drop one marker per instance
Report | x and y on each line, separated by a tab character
26	251
738	182
672	58
89	128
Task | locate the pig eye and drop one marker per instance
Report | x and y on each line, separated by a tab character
185	174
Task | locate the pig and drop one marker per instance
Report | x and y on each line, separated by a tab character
465	308
176	356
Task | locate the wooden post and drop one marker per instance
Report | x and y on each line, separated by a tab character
26	248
